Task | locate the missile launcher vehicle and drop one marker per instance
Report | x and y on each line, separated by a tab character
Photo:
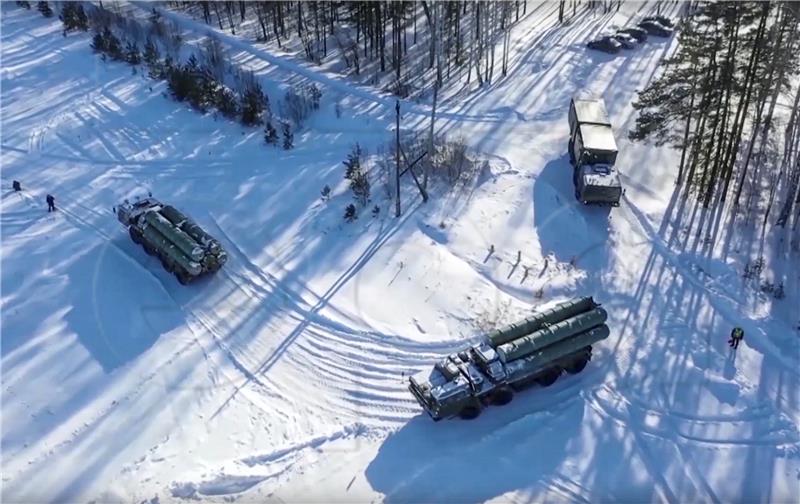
182	246
537	349
593	153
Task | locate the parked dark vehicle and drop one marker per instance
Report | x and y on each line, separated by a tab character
662	20
654	28
605	44
639	34
626	41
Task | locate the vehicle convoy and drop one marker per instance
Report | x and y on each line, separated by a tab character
182	246
537	349
593	153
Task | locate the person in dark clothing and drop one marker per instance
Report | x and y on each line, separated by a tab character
16	185
51	203
737	335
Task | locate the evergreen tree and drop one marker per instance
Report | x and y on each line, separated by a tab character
45	9
132	55
225	102
73	17
113	46
99	43
270	134
180	83
350	213
253	104
288	136
151	55
354	172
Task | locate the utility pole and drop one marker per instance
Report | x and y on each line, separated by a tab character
397	159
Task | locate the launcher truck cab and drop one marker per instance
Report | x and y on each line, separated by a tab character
593	153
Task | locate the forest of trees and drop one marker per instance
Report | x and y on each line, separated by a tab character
721	99
406	46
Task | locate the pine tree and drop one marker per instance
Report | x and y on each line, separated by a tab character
253	104
45	9
112	45
225	102
350	213
354	172
270	134
73	17
132	55
151	55
99	43
288	136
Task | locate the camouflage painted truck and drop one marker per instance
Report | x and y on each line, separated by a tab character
182	246
536	350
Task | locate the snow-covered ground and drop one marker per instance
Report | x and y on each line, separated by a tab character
283	377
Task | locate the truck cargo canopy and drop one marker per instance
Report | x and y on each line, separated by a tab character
591	112
598	138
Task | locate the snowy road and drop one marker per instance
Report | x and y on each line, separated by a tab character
282	377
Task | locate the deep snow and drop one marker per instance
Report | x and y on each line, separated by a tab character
282	377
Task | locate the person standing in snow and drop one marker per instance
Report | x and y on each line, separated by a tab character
737	335
51	203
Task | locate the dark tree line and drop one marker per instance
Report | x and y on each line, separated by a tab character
716	101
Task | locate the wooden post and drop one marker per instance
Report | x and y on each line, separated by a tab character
397	159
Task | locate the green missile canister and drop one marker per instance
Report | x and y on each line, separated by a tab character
551	334
548	355
557	313
181	240
176	255
186	224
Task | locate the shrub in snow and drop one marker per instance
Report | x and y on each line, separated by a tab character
300	101
350	213
270	134
45	9
74	17
288	136
253	103
132	55
24	3
376	210
326	193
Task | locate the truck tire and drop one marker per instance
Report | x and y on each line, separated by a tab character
548	378
577	366
470	412
135	235
182	276
502	396
147	248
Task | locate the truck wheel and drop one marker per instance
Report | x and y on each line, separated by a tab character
548	378
148	248
183	278
470	412
135	236
502	396
577	366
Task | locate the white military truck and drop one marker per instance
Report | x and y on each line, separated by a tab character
593	153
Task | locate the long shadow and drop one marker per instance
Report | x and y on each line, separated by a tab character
473	461
568	230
